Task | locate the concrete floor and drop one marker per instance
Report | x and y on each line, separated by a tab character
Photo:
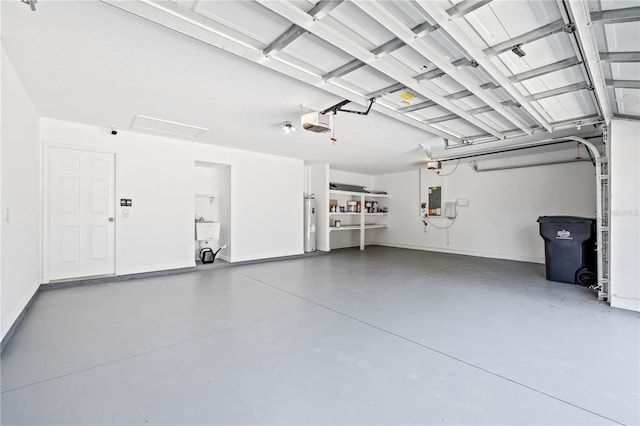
384	336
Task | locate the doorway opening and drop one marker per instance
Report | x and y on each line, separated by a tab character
212	221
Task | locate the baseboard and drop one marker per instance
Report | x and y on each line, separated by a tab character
199	266
275	259
502	256
158	267
628	303
342	246
113	278
19	316
278	256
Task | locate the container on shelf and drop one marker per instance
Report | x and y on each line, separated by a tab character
352	206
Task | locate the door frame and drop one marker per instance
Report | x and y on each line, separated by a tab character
46	168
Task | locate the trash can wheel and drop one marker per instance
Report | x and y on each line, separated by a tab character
585	277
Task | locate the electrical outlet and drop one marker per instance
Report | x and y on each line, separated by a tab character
450	208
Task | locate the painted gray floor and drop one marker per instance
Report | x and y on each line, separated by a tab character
384	336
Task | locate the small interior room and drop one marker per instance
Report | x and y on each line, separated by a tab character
320	212
212	207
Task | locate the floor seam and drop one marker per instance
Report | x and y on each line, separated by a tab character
433	349
158	349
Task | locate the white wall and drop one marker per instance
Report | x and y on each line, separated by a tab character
158	174
625	217
224	210
207	183
500	221
20	227
350	178
317	183
266	205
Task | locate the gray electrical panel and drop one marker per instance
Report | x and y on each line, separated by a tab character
435	201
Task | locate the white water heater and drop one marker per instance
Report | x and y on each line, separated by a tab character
309	224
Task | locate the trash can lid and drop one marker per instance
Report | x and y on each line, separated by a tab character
564	219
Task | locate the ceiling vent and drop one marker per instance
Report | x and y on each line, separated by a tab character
317	122
167	127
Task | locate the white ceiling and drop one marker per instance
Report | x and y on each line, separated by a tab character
205	66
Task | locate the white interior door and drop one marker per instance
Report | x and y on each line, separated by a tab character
81	214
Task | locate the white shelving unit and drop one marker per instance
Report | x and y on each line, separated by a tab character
211	197
365	221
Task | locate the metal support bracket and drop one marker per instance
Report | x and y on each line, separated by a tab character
338	107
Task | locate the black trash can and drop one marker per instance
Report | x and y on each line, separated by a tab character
569	248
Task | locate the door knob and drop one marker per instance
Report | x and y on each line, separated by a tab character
112	219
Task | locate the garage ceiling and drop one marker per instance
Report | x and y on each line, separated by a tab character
468	71
440	73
